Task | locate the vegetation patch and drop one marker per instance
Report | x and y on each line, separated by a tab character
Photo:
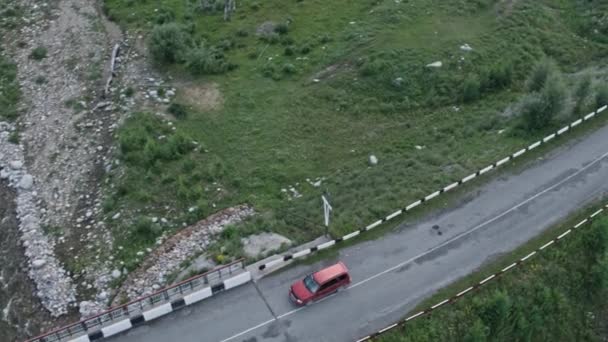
286	132
560	295
9	89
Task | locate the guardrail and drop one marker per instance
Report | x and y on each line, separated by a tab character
123	317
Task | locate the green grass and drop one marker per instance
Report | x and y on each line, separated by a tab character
277	127
9	90
559	295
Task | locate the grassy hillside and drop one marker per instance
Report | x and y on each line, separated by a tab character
9	88
560	296
328	83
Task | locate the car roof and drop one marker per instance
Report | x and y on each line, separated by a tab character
330	272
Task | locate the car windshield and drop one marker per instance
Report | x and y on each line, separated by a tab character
311	284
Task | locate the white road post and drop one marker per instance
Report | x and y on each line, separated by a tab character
326	210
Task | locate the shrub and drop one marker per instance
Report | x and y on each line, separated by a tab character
470	89
583	89
268	70
282	28
164	16
540	74
129	92
178	110
289	51
206	60
373	67
500	76
13	138
242	33
581	94
601	96
534	112
289	68
554	95
40	80
168	43
39	53
144	229
304	49
286	40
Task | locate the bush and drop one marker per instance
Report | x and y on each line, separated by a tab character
281	28
581	94
168	43
498	77
289	68
206	60
471	89
289	51
129	92
164	16
541	72
242	33
178	110
583	89
601	96
554	94
304	49
534	112
144	229
39	53
373	67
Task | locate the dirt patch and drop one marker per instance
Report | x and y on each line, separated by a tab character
204	97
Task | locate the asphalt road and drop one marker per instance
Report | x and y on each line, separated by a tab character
394	273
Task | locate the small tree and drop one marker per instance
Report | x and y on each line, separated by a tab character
554	94
168	43
471	89
540	74
533	112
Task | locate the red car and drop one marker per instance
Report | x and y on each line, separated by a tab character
319	284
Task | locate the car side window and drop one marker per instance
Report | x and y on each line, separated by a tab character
342	277
329	284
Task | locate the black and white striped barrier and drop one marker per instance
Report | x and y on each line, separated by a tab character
125	317
494	276
452	186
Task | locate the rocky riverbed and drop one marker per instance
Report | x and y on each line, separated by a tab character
21	314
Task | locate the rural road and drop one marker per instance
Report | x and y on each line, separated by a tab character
392	274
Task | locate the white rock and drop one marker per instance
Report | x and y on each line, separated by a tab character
116	216
373	160
103	295
466	47
154	219
116	274
4	174
16	164
437	64
38	263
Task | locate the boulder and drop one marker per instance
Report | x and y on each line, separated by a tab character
373	160
26	182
